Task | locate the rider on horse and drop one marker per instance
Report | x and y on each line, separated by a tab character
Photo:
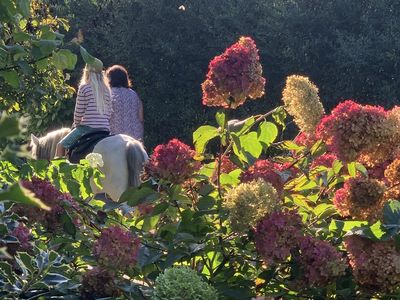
93	106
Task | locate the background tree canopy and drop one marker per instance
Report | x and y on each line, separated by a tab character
350	49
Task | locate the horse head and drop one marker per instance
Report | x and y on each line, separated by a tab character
45	147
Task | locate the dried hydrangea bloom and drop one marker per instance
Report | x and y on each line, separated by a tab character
58	202
173	161
116	249
392	177
234	76
302	102
267	170
305	139
359	132
226	167
248	202
320	262
376	265
360	198
325	160
277	234
98	283
23	235
182	283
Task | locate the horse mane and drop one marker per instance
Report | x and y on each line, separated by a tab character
46	149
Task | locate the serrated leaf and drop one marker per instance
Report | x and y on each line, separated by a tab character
267	133
202	136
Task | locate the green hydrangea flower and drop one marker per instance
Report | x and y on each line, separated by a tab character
249	202
182	283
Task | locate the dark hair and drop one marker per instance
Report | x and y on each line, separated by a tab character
118	76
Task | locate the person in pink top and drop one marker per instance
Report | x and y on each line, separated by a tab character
127	108
92	109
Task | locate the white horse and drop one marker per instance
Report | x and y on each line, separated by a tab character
123	158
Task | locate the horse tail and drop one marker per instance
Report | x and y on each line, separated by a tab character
136	156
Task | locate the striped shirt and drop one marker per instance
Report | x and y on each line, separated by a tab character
126	113
86	112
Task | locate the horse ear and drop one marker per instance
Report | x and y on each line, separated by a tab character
34	139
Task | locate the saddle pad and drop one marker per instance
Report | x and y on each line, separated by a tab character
85	145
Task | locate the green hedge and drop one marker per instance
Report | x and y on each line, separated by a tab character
350	49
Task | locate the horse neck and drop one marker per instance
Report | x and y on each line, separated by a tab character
48	144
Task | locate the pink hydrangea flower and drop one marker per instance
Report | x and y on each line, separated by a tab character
58	202
321	263
360	198
234	76
376	265
98	283
359	132
325	160
277	234
267	170
173	161
116	248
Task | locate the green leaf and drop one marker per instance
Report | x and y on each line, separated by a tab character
68	225
374	232
337	166
21	36
338	226
8	126
361	168
7	10
18	194
279	116
11	77
23	7
45	47
267	133
87	58
220	118
351	167
54	279
64	59
206	202
27	260
324	210
136	196
150	222
202	136
251	144
391	212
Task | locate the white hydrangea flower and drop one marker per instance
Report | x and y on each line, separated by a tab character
95	160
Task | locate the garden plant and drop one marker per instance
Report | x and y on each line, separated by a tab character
240	214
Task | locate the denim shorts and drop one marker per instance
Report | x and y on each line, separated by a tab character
70	139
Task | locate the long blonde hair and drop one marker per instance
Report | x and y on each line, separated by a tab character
100	87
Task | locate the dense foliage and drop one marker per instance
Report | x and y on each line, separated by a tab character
350	49
32	58
316	217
